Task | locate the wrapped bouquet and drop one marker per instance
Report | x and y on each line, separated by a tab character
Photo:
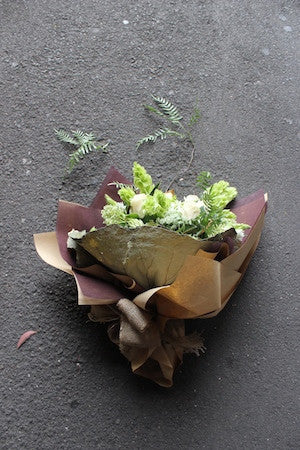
145	261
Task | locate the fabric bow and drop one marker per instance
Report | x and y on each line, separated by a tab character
154	346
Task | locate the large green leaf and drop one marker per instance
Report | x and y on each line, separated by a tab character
152	256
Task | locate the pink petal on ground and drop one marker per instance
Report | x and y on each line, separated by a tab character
24	337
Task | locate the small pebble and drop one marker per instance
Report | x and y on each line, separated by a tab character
125	22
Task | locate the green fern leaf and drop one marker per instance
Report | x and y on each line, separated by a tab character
145	140
85	143
161	133
63	136
82	137
168	109
83	150
90	137
194	117
154	110
204	180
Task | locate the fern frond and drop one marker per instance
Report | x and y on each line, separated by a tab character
204	180
83	150
63	136
120	185
161	133
85	143
168	109
154	110
194	117
207	199
89	137
83	138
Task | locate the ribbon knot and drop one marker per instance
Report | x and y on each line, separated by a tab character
153	344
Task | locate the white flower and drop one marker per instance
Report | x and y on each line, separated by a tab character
137	203
191	207
192	198
172	215
240	235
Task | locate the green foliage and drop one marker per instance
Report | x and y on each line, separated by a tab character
221	194
175	126
167	109
85	143
204	180
126	194
109	200
215	198
63	136
141	179
154	110
161	133
194	117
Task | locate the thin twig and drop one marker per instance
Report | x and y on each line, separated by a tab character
187	168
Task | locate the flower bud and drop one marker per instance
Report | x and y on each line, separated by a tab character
137	203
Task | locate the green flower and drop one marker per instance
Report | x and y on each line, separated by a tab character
126	194
114	213
221	194
227	220
141	179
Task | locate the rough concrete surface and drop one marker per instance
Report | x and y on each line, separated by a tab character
91	65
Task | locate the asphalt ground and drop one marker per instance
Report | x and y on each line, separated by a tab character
91	65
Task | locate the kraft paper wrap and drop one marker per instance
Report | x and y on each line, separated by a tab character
146	321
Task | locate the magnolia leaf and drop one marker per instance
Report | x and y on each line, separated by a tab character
152	256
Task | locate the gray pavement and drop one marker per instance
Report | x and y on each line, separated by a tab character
91	65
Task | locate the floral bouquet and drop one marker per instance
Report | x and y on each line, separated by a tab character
145	261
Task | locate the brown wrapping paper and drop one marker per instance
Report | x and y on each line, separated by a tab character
147	324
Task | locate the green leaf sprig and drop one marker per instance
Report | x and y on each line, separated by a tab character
85	143
174	125
165	109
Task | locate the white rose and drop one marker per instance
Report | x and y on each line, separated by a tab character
192	198
240	234
137	203
191	207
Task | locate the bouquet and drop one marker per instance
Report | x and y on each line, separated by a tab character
145	261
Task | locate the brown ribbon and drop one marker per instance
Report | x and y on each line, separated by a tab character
154	346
